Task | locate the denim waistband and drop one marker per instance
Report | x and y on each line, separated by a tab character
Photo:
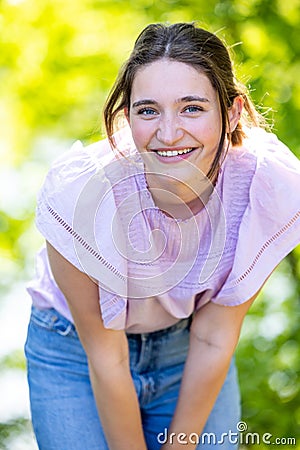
54	320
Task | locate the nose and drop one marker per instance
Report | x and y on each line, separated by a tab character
169	131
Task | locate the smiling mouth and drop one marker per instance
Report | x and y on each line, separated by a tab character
170	153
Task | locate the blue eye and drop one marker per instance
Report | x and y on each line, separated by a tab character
193	109
147	112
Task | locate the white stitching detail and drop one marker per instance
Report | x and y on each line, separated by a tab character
265	246
80	239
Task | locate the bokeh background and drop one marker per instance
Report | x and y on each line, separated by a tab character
58	61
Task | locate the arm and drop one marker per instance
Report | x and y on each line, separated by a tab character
214	335
107	353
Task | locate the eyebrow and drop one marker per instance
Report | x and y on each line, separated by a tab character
192	98
185	99
144	102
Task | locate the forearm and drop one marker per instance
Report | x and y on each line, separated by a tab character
204	374
118	407
107	352
213	338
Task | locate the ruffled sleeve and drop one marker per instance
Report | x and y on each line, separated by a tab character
58	196
74	207
270	226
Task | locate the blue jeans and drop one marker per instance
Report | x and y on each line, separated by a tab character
63	409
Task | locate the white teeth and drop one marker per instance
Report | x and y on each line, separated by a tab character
174	152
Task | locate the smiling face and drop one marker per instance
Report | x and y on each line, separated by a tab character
174	112
175	121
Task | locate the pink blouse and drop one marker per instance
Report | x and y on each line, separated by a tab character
152	270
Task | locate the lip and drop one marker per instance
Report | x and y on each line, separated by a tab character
172	159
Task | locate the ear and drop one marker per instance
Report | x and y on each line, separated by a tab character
235	112
126	114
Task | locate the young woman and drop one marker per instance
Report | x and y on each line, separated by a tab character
158	241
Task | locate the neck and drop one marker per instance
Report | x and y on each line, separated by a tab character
178	199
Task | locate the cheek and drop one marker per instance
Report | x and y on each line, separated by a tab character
207	132
211	130
141	132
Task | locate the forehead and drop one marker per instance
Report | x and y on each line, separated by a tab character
165	76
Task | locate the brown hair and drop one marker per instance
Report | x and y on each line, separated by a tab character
186	43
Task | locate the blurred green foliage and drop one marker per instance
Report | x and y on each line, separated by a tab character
58	60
